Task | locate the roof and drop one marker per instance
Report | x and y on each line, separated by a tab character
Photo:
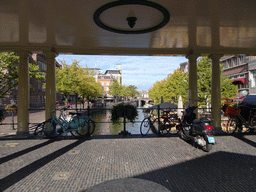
112	72
70	27
94	69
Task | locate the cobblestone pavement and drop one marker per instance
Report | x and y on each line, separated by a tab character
77	165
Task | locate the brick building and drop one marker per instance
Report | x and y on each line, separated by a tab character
37	91
106	81
237	67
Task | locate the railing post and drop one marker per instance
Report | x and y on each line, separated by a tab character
88	110
124	126
158	115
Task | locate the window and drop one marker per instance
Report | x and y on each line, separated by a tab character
107	83
107	89
226	65
230	63
102	83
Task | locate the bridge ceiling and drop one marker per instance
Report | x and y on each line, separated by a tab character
68	26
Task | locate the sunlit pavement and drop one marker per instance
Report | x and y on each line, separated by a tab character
77	165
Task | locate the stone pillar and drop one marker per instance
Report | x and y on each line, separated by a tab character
216	92
50	92
23	94
192	82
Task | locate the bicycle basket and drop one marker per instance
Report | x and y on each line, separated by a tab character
231	111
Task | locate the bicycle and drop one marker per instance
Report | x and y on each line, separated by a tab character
78	125
146	125
168	123
234	117
89	120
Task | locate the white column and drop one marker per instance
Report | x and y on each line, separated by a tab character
192	82
23	94
216	92
50	92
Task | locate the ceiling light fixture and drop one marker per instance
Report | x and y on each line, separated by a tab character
131	19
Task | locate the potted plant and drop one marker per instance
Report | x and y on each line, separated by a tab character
11	109
124	110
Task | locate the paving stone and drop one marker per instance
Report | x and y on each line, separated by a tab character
167	161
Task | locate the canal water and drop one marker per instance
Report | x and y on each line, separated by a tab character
104	126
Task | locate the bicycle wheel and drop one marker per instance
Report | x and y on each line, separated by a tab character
39	130
50	130
231	125
145	126
83	127
253	124
92	126
160	127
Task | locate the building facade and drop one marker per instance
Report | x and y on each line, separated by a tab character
108	77
37	90
184	67
241	70
106	81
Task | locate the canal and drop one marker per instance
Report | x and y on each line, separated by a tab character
104	126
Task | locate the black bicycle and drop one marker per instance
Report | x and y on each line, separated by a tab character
235	118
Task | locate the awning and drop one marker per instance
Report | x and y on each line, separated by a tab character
242	80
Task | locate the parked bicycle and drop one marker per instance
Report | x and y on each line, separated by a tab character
77	125
168	123
235	118
89	120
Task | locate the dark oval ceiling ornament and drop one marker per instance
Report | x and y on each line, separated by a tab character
98	12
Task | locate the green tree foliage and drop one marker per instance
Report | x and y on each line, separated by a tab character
9	72
171	88
115	89
77	80
204	71
204	81
159	89
133	91
177	85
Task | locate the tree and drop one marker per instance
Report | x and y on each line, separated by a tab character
204	81
89	88
158	90
228	89
177	85
77	80
133	91
115	89
64	79
9	72
171	88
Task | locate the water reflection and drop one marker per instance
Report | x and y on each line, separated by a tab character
104	126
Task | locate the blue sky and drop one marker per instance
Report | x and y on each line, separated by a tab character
141	71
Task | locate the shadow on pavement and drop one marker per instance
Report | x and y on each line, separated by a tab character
19	153
220	171
27	170
248	141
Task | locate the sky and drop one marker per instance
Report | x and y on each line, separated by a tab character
141	71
